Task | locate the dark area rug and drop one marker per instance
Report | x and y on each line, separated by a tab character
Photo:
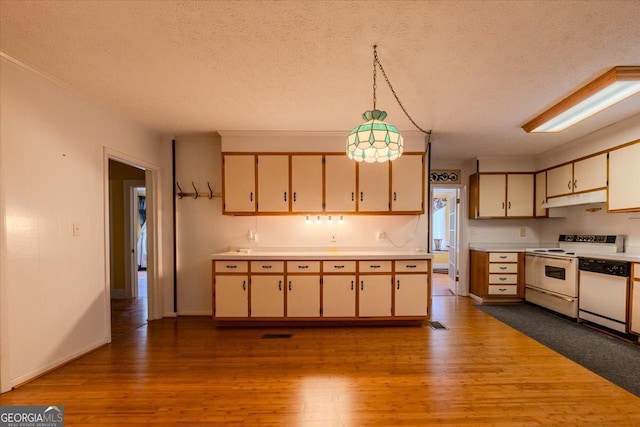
614	359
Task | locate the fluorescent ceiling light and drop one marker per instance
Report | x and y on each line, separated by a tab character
612	87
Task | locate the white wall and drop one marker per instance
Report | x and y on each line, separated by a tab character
53	297
202	229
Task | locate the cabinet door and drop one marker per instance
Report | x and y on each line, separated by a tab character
541	194
374	297
373	187
303	296
411	294
339	183
267	296
306	183
635	306
492	195
520	195
624	176
273	183
232	298
407	183
339	296
239	183
590	173
560	180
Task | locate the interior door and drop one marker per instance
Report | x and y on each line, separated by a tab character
453	241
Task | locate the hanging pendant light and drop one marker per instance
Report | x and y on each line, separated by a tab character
374	140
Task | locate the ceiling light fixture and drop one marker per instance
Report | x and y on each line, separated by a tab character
375	140
611	87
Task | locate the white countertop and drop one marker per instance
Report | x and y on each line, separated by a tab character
618	256
320	255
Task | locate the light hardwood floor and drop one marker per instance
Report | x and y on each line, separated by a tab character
186	372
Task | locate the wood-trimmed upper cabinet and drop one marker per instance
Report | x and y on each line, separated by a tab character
624	176
588	174
407	194
501	195
373	187
273	183
239	183
306	183
339	183
541	195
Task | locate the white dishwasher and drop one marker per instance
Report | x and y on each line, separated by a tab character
604	292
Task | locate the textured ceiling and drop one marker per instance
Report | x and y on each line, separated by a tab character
473	71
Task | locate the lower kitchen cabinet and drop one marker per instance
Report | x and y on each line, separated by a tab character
375	296
635	300
231	296
303	296
267	296
346	291
496	276
339	296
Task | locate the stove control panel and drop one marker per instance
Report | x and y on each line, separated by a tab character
588	238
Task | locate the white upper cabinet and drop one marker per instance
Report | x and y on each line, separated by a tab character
407	181
624	178
340	183
577	177
306	183
373	187
239	183
498	195
273	183
541	194
560	180
590	174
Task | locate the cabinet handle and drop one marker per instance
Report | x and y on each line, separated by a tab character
232	266
338	266
266	266
362	285
361	196
569	185
502	268
244	285
502	278
411	266
251	196
285	196
503	257
398	285
294	196
509	205
303	266
279	285
502	289
502	205
289	284
394	196
353	195
374	266
575	183
352	285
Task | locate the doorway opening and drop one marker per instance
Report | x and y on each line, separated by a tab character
128	247
445	203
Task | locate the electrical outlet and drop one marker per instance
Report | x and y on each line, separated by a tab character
523	232
381	235
333	238
76	229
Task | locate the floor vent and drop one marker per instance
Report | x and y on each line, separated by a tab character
437	325
272	336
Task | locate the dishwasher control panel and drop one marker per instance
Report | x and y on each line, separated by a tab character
605	266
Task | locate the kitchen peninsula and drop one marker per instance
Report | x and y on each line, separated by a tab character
321	287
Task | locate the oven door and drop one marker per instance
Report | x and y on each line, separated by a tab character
559	275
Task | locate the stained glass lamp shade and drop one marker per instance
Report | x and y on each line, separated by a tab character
374	140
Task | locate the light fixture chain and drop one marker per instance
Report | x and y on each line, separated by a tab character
377	61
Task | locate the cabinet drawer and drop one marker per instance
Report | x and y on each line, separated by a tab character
339	266
636	270
303	266
232	266
374	266
503	278
503	268
503	257
418	266
503	290
267	267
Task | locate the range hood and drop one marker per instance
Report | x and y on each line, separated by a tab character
599	196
